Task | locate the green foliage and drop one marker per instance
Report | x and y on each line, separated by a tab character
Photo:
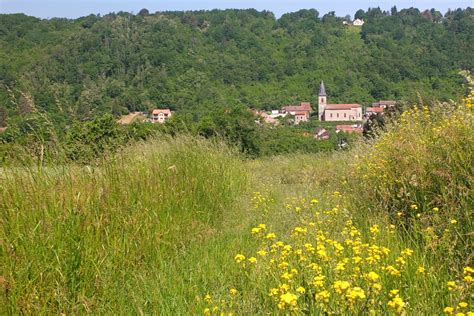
189	61
90	140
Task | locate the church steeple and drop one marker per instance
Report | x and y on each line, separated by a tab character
322	101
322	89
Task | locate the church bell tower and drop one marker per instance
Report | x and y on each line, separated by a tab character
321	101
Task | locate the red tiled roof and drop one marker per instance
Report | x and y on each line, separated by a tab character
304	106
342	106
158	111
348	128
375	110
301	112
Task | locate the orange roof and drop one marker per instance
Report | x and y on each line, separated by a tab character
375	110
301	112
158	111
304	106
348	128
342	106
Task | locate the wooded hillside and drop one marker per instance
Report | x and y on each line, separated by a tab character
193	61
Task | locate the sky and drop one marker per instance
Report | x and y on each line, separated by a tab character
77	8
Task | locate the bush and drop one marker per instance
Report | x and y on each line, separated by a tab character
420	173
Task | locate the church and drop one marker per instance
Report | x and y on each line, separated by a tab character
337	112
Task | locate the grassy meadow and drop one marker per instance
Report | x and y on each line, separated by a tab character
182	225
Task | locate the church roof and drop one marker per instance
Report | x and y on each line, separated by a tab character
342	106
322	89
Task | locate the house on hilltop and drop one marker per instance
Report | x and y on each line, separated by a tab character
358	22
160	115
337	112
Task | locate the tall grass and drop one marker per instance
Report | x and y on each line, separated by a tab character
109	239
420	173
156	228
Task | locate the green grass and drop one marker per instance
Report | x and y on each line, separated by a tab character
155	228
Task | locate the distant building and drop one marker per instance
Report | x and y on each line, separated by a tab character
373	110
301	112
160	115
337	112
321	133
358	22
266	118
356	128
384	104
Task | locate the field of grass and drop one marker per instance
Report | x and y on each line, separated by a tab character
187	226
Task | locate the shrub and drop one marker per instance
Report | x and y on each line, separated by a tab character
420	173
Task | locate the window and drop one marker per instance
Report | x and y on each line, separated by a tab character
331	115
345	114
338	115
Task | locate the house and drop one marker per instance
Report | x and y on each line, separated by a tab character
321	133
301	112
266	118
358	22
384	104
356	128
160	115
337	112
373	110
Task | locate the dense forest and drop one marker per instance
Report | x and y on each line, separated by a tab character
200	63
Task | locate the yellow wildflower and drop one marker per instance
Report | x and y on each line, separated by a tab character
372	276
323	296
462	304
468	270
239	258
355	293
451	285
273	292
421	270
208	298
252	260
289	299
255	230
448	310
394	293
301	290
374	229
397	304
233	292
377	287
270	236
341	286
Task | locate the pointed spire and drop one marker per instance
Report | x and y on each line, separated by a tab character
322	90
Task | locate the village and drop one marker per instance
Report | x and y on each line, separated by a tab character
351	116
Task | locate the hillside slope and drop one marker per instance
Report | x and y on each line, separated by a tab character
195	61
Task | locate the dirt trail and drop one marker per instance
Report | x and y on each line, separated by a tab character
129	118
